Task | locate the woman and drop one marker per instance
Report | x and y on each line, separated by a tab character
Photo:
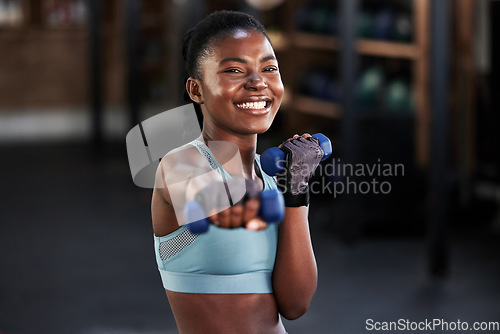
241	275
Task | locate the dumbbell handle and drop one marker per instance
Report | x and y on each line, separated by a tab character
272	209
273	159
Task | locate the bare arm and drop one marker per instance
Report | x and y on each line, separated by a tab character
295	272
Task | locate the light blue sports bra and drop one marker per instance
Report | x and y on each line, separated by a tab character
221	261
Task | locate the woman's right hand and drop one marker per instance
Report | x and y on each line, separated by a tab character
229	204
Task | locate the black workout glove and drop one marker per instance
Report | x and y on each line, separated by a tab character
302	156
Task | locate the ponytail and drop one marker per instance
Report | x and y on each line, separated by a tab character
185	49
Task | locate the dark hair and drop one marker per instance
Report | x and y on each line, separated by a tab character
198	41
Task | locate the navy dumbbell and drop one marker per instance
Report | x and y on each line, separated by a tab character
273	159
272	209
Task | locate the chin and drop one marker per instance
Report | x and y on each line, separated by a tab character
253	131
259	128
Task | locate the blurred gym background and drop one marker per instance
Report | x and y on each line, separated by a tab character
392	82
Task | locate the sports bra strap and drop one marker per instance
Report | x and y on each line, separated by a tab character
269	181
211	159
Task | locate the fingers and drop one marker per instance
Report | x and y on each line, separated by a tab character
244	213
223	218
304	135
229	218
251	209
295	136
240	215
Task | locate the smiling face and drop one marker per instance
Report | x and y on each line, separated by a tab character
240	89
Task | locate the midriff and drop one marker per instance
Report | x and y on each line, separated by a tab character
225	313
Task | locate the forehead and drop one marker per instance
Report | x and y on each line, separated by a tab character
241	42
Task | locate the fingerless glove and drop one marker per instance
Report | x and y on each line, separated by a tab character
302	156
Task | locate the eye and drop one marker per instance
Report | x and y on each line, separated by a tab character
232	70
271	69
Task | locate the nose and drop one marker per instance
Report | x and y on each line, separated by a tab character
255	82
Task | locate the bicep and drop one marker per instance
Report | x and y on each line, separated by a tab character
173	180
163	215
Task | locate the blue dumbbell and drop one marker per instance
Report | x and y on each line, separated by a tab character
273	159
272	210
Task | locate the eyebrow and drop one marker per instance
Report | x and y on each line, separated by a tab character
243	61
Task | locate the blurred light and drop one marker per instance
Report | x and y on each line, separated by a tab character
264	4
11	13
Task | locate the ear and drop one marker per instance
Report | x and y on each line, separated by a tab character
193	87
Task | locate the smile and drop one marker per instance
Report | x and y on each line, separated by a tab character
253	105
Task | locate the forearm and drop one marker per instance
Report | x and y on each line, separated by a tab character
295	272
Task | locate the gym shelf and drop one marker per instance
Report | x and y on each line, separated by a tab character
388	49
309	105
315	41
363	46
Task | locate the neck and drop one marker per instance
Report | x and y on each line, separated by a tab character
247	145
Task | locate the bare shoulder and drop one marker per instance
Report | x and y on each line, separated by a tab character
186	155
179	165
174	171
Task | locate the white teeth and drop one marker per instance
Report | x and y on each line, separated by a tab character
252	105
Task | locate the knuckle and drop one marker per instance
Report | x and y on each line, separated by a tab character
224	218
237	210
252	205
236	215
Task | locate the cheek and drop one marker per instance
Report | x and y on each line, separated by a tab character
279	88
211	88
230	88
217	88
